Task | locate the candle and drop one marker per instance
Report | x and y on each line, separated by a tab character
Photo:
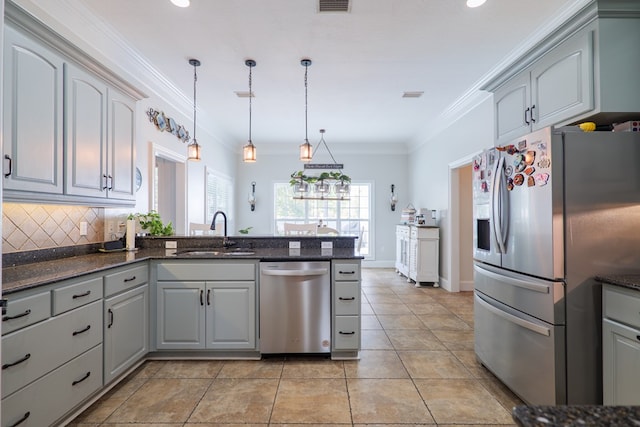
131	234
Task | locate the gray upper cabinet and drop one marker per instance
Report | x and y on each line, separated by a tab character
100	138
78	117
86	134
32	105
585	70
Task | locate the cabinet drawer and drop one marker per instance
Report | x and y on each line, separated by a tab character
125	279
207	270
347	298
25	311
346	333
73	296
622	305
28	352
346	271
52	396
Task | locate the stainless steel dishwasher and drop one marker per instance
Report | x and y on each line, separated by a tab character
295	307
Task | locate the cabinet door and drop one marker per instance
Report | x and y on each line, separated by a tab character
126	332
231	315
180	319
620	364
562	83
86	134
121	134
511	103
427	259
32	105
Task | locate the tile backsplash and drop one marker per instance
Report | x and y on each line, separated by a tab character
28	226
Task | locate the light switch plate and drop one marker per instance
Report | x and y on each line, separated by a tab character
326	245
294	245
171	244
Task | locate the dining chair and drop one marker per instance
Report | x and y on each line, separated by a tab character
291	229
197	229
328	231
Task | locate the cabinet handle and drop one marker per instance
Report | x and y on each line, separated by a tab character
104	187
17	316
201	297
110	318
346	299
130	279
347	333
638	337
208	296
110	183
21	420
347	272
82	295
533	119
17	362
87	375
81	330
526	116
8	174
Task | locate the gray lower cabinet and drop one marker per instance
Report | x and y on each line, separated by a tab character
621	346
210	305
346	321
126	330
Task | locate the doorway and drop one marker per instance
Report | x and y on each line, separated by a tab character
168	187
461	221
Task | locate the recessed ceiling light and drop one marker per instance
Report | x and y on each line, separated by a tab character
181	3
475	3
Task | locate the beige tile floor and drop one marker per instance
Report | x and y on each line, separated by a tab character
417	366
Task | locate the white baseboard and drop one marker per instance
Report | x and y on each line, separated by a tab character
466	285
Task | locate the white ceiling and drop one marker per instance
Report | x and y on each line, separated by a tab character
363	60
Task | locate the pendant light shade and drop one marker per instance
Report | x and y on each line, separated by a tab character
249	150
193	150
306	150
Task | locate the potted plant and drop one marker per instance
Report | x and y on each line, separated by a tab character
299	182
153	223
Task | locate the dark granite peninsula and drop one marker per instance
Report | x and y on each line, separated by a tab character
631	281
556	416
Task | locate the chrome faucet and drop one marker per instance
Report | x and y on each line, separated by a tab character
225	242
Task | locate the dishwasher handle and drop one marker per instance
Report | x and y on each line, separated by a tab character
305	272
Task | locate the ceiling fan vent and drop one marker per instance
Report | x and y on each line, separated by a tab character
414	94
333	5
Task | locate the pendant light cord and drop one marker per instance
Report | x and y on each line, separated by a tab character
195	79
306	69
250	96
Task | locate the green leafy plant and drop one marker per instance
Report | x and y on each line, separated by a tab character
245	230
152	223
299	177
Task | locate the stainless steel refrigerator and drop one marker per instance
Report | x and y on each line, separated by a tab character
551	211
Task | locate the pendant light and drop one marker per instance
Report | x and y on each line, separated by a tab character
306	150
249	150
194	149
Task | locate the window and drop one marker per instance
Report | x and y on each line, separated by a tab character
350	217
218	194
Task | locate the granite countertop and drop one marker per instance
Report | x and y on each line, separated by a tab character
626	281
29	275
545	416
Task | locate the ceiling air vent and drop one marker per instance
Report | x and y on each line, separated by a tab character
333	5
244	94
414	94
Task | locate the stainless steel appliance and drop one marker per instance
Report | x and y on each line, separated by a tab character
295	307
551	210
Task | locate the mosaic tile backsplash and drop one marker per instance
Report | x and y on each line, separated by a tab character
28	226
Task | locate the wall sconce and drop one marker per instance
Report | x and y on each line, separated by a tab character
394	198
252	196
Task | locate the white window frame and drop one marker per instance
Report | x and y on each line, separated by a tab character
330	222
221	179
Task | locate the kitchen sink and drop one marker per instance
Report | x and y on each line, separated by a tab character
204	252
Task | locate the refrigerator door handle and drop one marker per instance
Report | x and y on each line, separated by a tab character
498	203
513	319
